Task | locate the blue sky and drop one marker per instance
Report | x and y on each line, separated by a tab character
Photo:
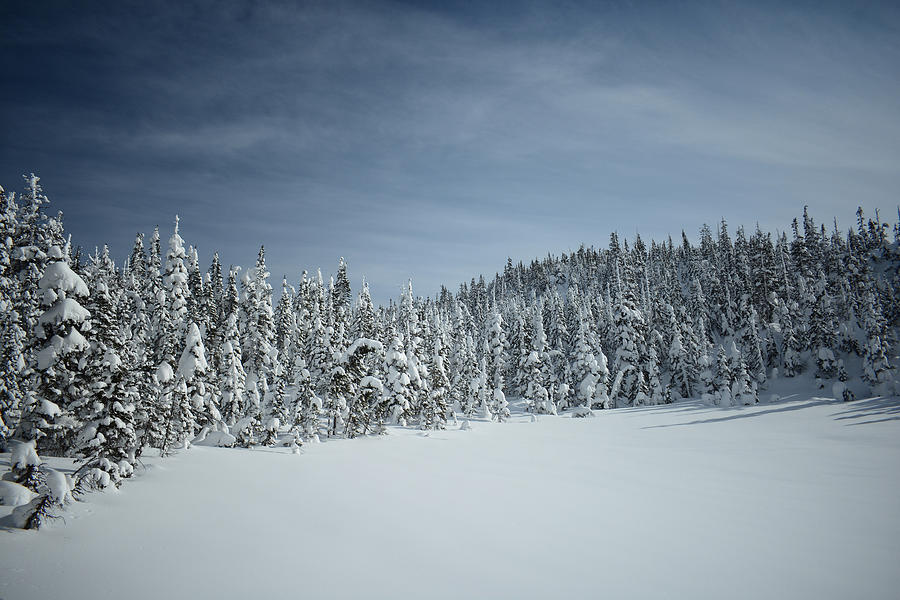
434	141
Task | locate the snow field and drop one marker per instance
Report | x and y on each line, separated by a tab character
796	499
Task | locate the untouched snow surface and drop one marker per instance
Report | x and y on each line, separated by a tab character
797	499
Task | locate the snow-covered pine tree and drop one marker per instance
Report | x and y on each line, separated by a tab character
319	355
174	322
232	380
743	392
307	406
398	392
723	379
751	345
59	375
822	328
276	405
362	400
876	367
681	369
107	439
655	391
628	324
435	408
180	425
369	397
258	325
192	368
340	303
12	336
585	370
159	407
495	341
364	323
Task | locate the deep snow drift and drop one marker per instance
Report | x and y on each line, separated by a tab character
795	499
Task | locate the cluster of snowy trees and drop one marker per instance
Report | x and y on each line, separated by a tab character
101	361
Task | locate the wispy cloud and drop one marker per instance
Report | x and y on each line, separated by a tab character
435	142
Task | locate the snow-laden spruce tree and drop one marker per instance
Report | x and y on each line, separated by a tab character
411	336
655	392
365	321
361	400
107	440
104	301
174	303
340	303
307	406
340	389
822	329
257	324
25	464
286	328
32	236
158	408
494	346
369	398
468	378
436	406
681	369
135	348
59	380
319	355
12	336
743	392
231	376
876	367
276	405
628	325
54	491
462	363
585	370
750	343
792	362
520	344
213	309
181	425
398	393
196	312
192	368
723	378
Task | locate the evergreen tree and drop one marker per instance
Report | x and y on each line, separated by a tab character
307	406
436	406
59	377
108	439
398	395
742	389
495	342
175	320
681	369
192	368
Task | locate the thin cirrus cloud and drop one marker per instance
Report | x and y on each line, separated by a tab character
434	141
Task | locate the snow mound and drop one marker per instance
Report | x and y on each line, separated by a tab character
60	485
24	454
13	494
581	412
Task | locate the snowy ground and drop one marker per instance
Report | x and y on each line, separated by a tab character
797	499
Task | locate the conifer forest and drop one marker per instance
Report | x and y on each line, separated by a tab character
108	359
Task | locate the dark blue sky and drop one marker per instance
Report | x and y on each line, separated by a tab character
434	142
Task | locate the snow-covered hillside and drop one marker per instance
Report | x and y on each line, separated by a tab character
791	499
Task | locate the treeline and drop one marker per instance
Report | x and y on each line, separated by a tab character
101	361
